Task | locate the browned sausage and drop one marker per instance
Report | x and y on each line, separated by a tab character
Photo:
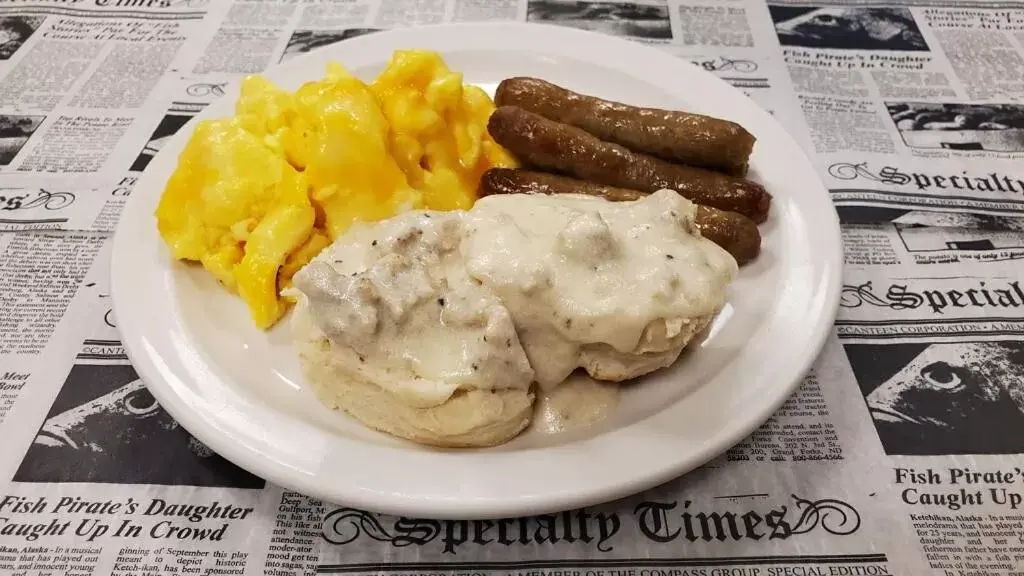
676	136
518	181
734	232
541	143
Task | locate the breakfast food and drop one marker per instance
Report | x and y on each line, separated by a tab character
523	181
734	232
434	326
255	196
438	128
443	294
545	144
673	135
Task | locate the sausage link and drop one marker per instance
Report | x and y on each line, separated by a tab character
676	136
736	233
517	181
552	146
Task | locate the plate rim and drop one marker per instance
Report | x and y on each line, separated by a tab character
145	359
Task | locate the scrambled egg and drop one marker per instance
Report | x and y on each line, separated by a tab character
256	196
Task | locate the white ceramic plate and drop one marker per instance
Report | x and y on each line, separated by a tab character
240	391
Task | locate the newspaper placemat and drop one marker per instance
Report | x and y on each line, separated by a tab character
899	454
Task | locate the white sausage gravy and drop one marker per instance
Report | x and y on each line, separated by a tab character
428	308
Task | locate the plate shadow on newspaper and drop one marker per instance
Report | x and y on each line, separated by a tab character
168	126
302	41
15	131
943	398
847	28
15	31
649	21
953	126
105	427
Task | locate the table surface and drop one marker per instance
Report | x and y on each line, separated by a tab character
901	452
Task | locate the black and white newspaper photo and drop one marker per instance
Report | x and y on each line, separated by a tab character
15	31
106	427
169	125
992	127
847	28
302	41
649	20
15	132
